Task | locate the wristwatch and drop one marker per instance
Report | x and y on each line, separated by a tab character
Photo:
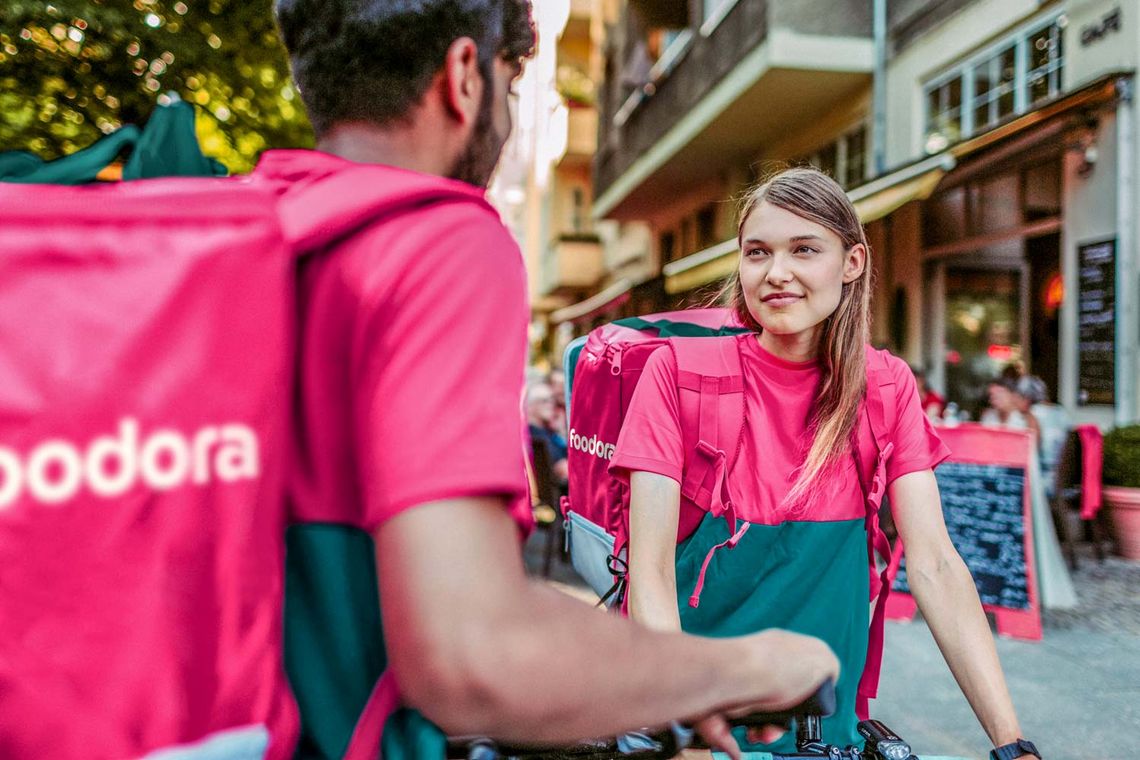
1015	750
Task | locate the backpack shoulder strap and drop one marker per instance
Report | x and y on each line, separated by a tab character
712	412
876	422
873	447
321	211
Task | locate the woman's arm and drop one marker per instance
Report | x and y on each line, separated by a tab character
654	512
946	594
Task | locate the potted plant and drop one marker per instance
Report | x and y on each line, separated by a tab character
1122	486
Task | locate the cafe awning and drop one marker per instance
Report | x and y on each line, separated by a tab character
886	194
614	295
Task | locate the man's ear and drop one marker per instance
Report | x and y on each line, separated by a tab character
854	262
462	84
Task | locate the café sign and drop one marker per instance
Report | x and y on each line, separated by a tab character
1110	22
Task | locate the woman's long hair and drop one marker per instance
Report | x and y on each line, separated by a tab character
811	194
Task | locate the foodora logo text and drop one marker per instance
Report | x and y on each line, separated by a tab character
57	470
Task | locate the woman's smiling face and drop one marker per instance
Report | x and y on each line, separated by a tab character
792	271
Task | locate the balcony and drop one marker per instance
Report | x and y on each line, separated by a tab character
581	134
573	263
749	76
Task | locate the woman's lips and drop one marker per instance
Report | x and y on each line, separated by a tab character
779	300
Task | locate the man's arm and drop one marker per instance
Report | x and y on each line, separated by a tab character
480	649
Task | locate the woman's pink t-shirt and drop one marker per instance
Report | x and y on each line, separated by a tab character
778	400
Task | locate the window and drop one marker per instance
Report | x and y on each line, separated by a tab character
1045	59
668	243
706	227
993	87
1008	78
688	236
827	160
944	115
578	210
844	160
855	162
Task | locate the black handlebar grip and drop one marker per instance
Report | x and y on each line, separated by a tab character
820	704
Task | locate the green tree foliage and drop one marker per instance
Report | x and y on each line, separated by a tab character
73	70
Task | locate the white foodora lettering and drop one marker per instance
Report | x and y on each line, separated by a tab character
592	445
56	470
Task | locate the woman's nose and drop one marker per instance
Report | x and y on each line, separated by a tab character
779	272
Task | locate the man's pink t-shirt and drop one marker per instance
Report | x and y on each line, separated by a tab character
778	400
412	357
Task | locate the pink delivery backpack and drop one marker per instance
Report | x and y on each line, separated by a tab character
147	335
603	369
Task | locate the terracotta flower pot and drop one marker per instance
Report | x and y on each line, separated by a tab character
1125	506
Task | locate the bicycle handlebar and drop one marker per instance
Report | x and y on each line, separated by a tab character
641	746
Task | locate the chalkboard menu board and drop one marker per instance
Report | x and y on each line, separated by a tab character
985	514
1096	300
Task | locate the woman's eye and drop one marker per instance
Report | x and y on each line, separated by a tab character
754	252
806	249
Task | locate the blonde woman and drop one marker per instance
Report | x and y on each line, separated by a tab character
798	559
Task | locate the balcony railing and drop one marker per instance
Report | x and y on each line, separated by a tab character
688	70
715	69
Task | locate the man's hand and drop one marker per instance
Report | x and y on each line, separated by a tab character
805	663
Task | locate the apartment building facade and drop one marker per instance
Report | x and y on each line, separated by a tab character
989	146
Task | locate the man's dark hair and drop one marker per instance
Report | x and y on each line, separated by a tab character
372	60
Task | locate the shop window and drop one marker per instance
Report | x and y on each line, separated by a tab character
983	331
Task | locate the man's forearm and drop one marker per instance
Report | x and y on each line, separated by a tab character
480	649
587	673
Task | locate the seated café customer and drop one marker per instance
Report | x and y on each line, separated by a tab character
1003	410
1032	398
540	418
933	404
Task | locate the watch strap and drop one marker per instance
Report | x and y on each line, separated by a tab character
1014	750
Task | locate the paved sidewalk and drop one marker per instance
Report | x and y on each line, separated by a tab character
1077	692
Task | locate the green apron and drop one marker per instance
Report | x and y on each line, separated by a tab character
806	577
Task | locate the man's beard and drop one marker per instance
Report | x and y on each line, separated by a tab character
477	164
